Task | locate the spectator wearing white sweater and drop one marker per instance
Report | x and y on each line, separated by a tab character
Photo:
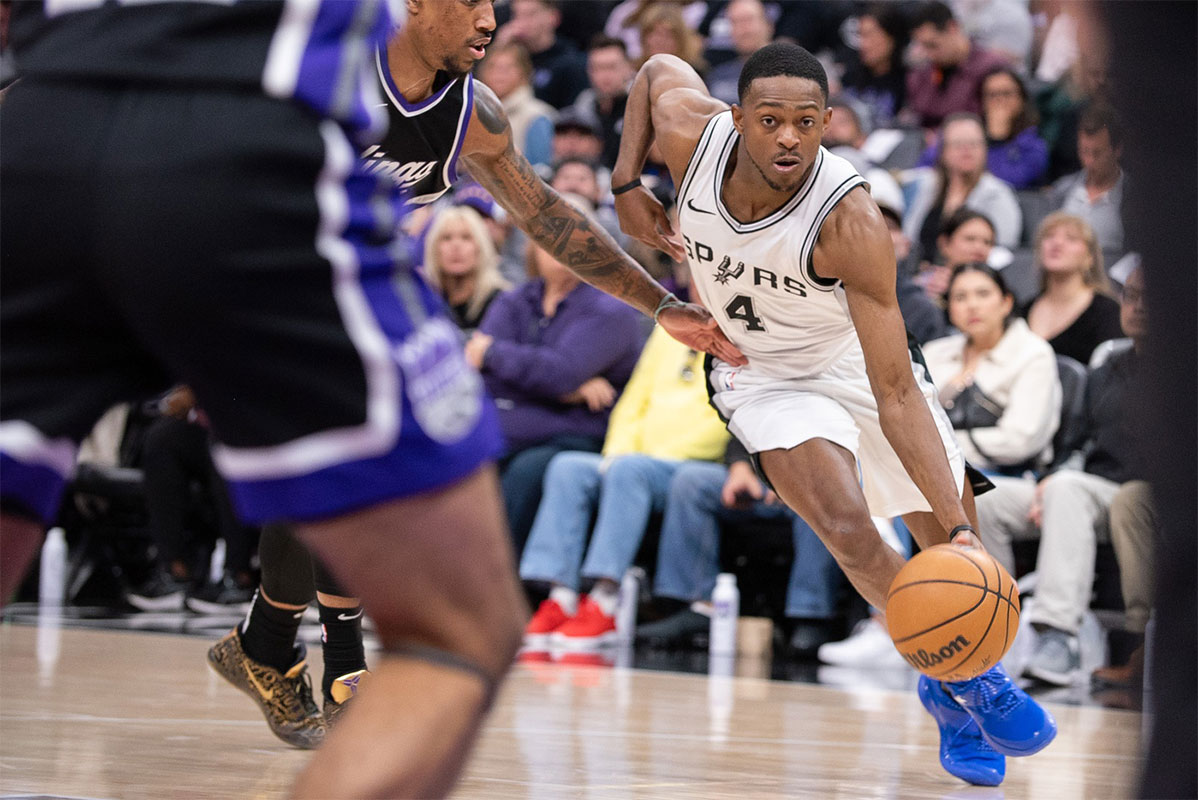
997	380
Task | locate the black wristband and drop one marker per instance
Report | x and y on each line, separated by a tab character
628	187
953	533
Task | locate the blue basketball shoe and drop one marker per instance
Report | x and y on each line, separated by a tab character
964	752
1013	723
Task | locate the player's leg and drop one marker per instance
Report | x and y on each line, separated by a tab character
449	630
818	480
260	656
341	644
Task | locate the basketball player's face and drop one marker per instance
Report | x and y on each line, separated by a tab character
454	32
781	124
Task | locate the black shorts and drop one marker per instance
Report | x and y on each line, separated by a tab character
231	242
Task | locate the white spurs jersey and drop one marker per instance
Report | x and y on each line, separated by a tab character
756	278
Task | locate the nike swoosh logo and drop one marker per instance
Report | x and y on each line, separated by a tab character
344	618
691	205
261	689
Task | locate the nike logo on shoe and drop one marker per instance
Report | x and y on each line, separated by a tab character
345	618
266	695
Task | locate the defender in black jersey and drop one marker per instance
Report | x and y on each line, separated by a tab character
183	201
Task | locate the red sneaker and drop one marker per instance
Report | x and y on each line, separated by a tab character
588	629
549	617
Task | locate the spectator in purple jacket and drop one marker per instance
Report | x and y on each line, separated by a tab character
1015	152
948	82
555	354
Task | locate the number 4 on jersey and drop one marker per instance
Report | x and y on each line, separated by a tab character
741	308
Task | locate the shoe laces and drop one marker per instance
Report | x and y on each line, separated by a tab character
301	691
994	692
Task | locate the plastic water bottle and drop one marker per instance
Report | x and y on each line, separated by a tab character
726	608
52	579
630	595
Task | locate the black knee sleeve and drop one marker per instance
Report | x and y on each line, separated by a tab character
287	567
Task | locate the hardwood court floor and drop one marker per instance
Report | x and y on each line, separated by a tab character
103	714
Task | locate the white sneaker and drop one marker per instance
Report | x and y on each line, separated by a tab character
868	646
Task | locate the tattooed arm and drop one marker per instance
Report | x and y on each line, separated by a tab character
551	222
568	235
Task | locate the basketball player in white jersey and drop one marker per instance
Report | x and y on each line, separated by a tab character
792	257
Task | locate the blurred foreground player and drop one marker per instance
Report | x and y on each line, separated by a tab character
193	167
437	112
792	256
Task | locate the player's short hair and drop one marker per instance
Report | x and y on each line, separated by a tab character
782	58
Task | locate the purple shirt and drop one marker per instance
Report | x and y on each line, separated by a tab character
1021	161
535	359
933	92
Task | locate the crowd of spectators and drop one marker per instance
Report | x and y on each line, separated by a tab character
994	154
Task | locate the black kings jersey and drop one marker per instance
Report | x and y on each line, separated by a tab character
420	150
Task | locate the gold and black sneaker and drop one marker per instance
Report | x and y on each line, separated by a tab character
343	690
285	698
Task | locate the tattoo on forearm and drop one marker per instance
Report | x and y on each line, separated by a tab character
564	231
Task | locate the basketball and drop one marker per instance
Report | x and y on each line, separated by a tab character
952	612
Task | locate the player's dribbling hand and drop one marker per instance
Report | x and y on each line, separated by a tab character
695	327
644	218
968	539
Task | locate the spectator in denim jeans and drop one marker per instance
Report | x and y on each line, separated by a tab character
703	495
661	423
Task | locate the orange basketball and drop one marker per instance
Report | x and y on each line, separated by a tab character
952	612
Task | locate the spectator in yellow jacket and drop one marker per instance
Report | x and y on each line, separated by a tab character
661	421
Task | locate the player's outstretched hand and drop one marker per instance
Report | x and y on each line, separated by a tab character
694	326
644	218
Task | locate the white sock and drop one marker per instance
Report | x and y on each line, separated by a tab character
606	599
565	597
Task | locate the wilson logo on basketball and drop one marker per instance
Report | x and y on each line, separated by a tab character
922	659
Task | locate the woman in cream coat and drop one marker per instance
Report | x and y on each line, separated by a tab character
997	363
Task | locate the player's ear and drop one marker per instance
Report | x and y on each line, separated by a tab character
738	118
827	115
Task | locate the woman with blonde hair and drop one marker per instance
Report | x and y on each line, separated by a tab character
624	21
664	30
1074	311
460	263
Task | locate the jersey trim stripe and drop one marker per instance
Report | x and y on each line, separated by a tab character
287	47
20	440
451	163
380	431
774	217
396	97
807	253
696	157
